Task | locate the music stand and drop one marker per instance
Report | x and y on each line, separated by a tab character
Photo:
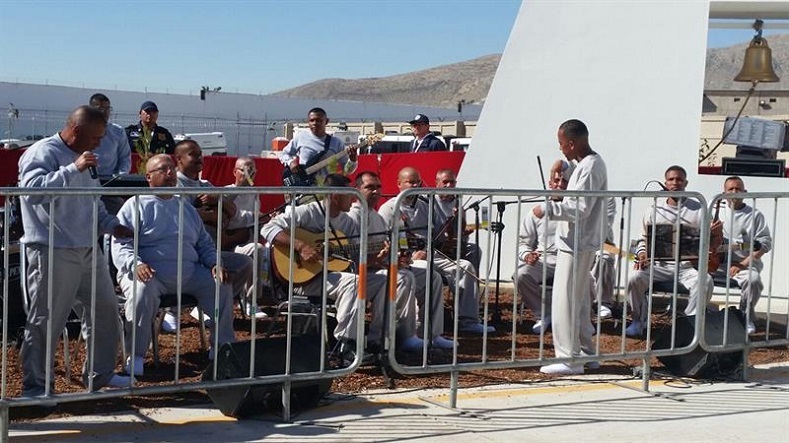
125	181
665	246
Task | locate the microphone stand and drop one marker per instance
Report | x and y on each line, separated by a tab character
621	247
475	207
497	228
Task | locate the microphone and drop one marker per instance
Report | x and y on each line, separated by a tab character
94	173
659	183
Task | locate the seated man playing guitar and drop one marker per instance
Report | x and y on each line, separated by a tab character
341	286
308	148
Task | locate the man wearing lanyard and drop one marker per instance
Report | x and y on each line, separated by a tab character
424	141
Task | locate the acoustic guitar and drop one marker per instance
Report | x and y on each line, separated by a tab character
341	254
304	272
305	176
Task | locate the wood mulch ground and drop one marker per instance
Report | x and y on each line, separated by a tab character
499	347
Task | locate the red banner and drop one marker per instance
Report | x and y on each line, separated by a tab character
219	170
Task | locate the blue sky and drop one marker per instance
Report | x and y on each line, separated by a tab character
255	46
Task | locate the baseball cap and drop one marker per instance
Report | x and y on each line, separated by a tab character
420	118
148	106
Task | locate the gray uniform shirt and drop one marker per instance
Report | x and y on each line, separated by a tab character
49	163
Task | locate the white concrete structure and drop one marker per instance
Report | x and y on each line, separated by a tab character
588	60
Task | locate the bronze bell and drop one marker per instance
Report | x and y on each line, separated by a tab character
757	65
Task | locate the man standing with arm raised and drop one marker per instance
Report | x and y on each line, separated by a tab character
575	250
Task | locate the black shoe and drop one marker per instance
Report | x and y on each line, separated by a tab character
347	353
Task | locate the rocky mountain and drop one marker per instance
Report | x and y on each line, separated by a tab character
723	64
470	80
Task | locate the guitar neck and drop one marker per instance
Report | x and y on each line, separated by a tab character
322	164
353	249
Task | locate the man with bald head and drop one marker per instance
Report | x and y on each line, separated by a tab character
189	164
414	213
62	161
239	233
154	268
449	206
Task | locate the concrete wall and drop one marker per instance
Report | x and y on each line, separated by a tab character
244	118
763	103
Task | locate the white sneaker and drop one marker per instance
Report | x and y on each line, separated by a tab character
604	312
562	369
169	323
636	329
442	343
258	314
751	328
412	344
138	366
195	313
119	381
542	325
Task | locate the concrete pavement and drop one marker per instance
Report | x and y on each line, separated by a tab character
584	408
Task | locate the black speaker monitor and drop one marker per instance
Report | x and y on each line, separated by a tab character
700	363
245	401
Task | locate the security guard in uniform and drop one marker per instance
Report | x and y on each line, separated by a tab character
146	138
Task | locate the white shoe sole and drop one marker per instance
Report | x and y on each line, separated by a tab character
562	369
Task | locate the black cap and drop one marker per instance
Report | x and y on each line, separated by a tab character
420	118
148	106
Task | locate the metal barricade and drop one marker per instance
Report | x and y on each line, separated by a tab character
52	196
493	199
754	238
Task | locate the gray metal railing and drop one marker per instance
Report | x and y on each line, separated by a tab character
492	198
10	399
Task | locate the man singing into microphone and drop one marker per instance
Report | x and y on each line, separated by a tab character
62	161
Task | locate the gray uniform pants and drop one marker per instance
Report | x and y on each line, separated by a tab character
240	268
264	264
638	285
751	286
435	307
603	276
71	284
572	329
469	292
404	303
141	307
529	281
342	288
